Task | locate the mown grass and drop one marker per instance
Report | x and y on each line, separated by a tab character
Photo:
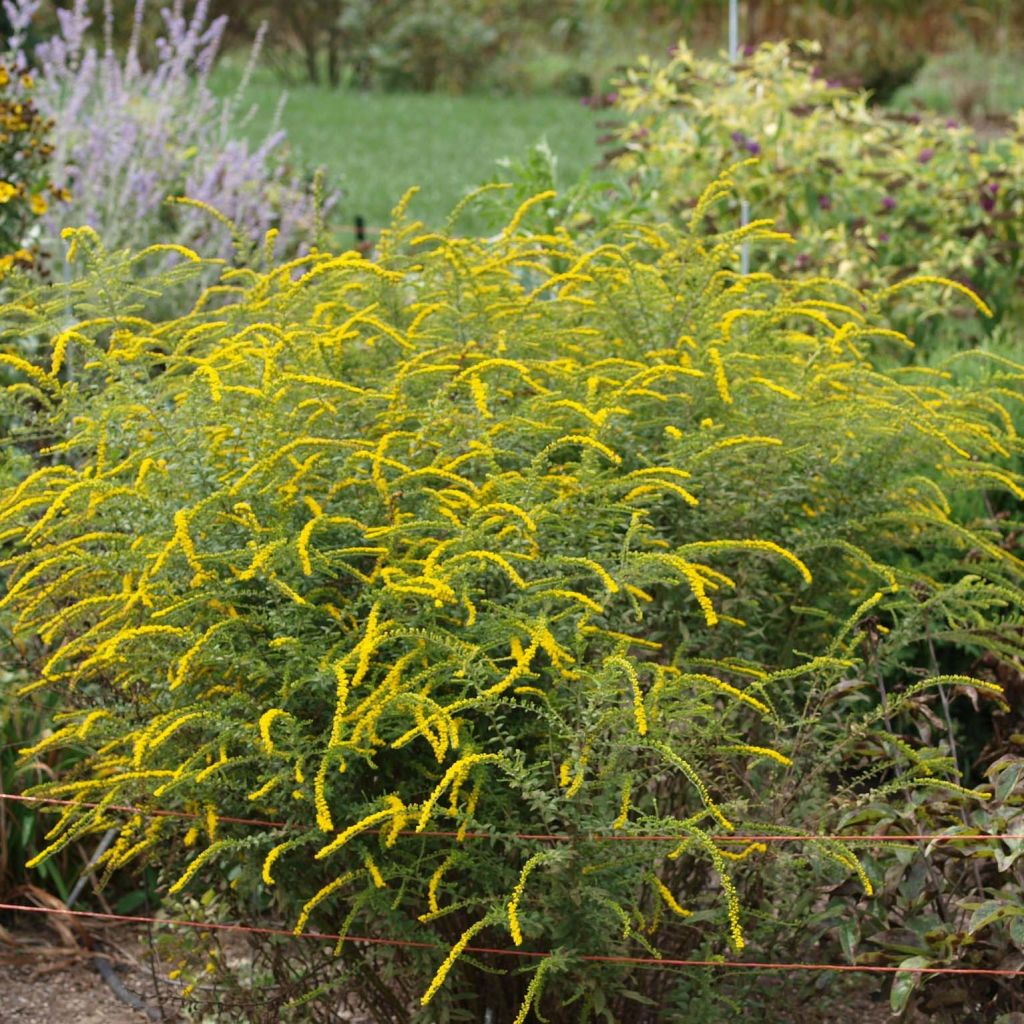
376	145
969	83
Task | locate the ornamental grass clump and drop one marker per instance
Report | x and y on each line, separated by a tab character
870	196
483	541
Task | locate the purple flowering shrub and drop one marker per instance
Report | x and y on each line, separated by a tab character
128	136
869	196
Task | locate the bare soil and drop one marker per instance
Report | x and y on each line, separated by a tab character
42	983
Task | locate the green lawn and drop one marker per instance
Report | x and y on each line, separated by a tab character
375	146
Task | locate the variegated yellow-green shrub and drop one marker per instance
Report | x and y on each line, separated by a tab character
871	196
489	538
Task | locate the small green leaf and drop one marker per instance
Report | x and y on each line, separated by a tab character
989	911
905	983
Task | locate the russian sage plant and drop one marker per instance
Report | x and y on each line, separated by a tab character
128	136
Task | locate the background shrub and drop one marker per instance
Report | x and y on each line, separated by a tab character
870	197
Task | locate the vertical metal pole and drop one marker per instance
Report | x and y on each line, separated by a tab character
734	52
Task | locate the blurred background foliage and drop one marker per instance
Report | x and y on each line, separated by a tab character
576	46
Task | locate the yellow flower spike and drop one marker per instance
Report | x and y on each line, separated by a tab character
586	442
453	955
474	797
522	211
623	818
670	900
564	775
341	699
196	864
478	389
323	812
746	748
595	567
944	282
721	381
435	882
272	857
311	904
639	712
512	908
700	547
266	720
360	826
374	872
687	769
457	770
577	780
398	812
745	852
263	790
533	991
495	559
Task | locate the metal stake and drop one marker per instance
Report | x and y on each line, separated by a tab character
734	51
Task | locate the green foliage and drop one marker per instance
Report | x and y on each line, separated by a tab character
870	197
505	536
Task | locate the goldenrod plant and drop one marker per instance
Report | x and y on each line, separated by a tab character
489	539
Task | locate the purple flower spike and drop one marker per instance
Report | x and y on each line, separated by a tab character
825	202
988	196
883	236
888	203
925	155
745	142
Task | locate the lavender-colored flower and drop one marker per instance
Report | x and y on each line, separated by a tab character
925	155
952	122
988	196
888	203
883	236
744	141
127	137
824	202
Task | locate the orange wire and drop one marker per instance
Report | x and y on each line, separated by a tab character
589	958
543	837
